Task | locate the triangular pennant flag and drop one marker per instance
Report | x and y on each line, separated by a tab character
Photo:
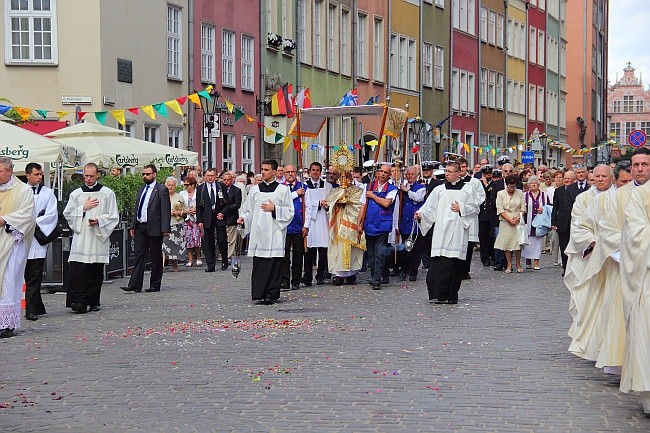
357	146
62	114
206	95
314	146
230	106
194	97
101	116
466	147
181	100
148	109
134	110
24	112
119	116
303	145
268	131
4	108
249	118
480	150
296	145
175	107
238	114
287	142
80	115
161	109
335	148
278	137
350	148
493	151
43	113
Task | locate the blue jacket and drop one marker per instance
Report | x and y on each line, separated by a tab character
379	219
409	207
295	227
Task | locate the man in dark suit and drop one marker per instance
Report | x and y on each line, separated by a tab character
499	184
211	203
231	212
486	217
561	215
151	221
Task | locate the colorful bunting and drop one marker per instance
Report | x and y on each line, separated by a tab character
194	97
230	106
101	116
134	110
148	109
43	113
119	116
23	112
161	109
175	106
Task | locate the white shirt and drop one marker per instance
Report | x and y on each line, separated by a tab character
147	197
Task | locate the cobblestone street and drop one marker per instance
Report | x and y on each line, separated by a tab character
200	356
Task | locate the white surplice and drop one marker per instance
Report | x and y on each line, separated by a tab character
450	229
47	216
267	234
478	195
316	216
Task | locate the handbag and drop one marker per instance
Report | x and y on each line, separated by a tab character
44	239
522	232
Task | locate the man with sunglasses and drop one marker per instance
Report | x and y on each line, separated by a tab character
151	221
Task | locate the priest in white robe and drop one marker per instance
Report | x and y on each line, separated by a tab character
266	214
635	264
16	235
587	265
92	215
316	228
47	217
449	212
478	194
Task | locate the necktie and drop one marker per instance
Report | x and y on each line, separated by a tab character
212	200
141	205
34	189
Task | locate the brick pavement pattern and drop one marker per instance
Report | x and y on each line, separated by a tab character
200	356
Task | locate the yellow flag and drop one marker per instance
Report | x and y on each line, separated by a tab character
119	116
24	112
303	145
174	106
62	114
480	150
466	147
249	118
194	97
230	106
269	131
149	110
493	151
287	142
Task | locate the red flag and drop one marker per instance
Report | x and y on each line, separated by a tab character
287	90
181	100
134	110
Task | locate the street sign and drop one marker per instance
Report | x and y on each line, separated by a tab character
637	138
527	156
216	129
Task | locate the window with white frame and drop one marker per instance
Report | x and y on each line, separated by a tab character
412	76
174	43
500	20
483	139
152	133
645	127
471	92
345	126
394	60
463	14
499	143
378	52
522	41
541	4
440	3
510	41
483	24
563	59
532	45
455	89
228	151
128	128
492	25
492	141
463	90
615	130
403	62
639	105
532	104
247	153
427	64
302	30
628	104
31	32
332	20
362	40
175	137
284	16
207	54
522	98
247	65
540	103
499	102
492	88
629	127
228	58
271	26
484	87
344	42
617	105
440	68
318	33
541	43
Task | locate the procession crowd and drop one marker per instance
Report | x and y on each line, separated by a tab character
390	220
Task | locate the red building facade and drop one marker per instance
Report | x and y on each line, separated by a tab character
536	96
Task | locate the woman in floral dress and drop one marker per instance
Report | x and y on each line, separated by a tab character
174	245
192	233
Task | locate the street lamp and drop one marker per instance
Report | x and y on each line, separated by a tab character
543	137
416	127
209	106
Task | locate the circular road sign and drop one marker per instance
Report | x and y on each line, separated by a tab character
637	138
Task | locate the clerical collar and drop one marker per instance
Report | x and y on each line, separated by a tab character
268	186
454	185
93	188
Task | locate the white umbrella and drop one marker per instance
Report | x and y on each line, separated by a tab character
109	148
24	146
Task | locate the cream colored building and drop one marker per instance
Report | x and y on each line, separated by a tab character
93	55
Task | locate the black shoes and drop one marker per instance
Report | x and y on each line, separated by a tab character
224	266
268	300
351	280
284	287
295	287
439	301
402	276
31	316
130	289
376	286
385	280
94	308
337	281
413	278
394	273
79	308
6	333
151	289
499	268
306	281
467	276
209	270
320	282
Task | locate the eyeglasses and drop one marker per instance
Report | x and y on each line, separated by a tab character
187	184
147	174
451	171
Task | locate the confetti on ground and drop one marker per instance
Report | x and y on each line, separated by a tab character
210	326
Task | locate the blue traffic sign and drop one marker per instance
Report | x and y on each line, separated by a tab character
637	138
527	156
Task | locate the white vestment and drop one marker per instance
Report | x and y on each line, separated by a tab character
635	261
450	229
316	216
17	209
47	216
478	195
91	244
267	234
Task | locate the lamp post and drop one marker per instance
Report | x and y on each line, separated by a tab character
210	120
416	127
543	137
